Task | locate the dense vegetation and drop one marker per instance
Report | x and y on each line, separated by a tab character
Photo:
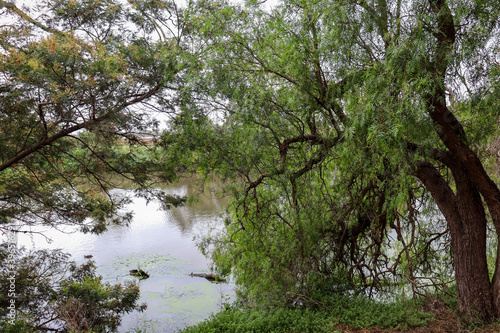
352	135
76	80
335	312
53	292
348	125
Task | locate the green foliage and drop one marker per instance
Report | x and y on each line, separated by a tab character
99	306
19	325
353	312
78	85
317	115
320	116
52	292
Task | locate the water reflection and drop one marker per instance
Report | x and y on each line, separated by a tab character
161	243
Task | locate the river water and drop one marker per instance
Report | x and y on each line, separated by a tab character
161	243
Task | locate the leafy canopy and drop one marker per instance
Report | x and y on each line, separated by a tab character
318	115
77	90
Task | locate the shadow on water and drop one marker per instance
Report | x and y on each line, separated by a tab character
160	243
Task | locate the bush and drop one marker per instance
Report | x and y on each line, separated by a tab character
53	292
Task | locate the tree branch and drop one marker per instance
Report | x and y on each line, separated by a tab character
12	8
45	141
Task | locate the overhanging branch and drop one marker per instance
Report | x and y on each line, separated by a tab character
48	140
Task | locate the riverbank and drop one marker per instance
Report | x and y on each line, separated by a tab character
346	315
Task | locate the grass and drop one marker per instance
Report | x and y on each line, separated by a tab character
335	315
436	313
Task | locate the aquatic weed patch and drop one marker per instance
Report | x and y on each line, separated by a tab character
157	265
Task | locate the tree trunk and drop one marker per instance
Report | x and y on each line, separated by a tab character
466	219
464	211
475	297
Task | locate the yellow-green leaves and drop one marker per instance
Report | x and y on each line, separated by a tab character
70	84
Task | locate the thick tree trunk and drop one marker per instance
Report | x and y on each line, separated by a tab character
475	298
468	223
461	153
466	219
469	252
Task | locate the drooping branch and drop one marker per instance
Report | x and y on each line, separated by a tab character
284	146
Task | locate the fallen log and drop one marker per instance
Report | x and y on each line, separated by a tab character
209	277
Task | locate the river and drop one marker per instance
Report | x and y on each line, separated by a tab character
161	243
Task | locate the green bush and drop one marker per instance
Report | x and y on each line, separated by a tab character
50	288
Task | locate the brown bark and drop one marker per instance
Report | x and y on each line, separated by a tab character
476	174
466	220
471	269
468	225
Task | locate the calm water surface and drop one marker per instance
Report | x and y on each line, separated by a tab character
160	243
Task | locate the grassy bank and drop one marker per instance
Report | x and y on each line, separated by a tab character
345	315
331	316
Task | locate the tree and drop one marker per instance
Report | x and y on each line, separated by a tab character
53	293
340	121
79	82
